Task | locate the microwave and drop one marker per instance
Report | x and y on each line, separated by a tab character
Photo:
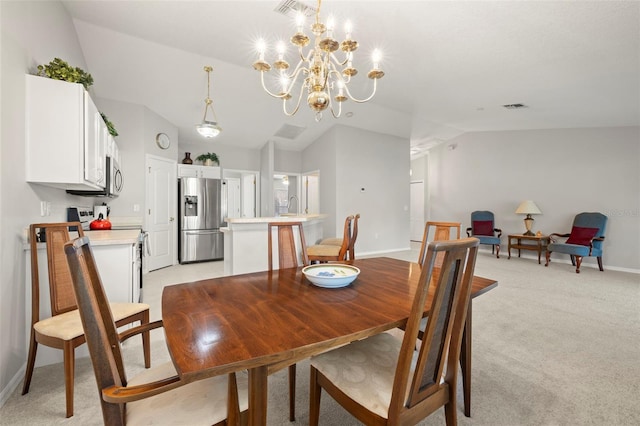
113	183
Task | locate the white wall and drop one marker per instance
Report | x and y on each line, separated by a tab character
32	33
565	171
231	157
351	159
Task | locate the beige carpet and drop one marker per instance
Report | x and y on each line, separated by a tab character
550	347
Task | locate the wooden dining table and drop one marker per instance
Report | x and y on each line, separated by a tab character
265	321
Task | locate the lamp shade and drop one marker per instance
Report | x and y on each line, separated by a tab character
528	207
208	129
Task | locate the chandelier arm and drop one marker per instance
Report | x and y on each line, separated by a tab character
267	90
337	61
294	75
339	110
360	101
284	103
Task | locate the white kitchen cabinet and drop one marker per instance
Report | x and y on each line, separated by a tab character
208	172
66	137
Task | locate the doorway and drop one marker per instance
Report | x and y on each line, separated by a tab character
286	193
161	190
416	210
311	192
242	192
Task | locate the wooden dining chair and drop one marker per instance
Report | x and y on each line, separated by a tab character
63	329
157	395
396	384
288	258
437	231
332	252
351	251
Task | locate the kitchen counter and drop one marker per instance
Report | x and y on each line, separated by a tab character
113	237
281	218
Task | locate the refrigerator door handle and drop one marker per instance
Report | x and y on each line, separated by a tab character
203	231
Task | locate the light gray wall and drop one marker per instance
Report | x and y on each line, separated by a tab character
565	171
350	159
231	157
32	33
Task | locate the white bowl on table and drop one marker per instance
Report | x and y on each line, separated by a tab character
331	275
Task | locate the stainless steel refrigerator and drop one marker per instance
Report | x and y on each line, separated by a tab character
202	211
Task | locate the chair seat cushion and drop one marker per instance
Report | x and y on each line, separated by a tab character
68	326
582	236
364	370
323	250
331	242
488	240
482	227
573	249
203	402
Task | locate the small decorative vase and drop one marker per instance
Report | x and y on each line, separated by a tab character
208	162
187	158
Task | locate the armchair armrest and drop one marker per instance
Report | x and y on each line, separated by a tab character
557	235
499	231
469	232
139	329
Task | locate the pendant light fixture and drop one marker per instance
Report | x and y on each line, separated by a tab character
208	128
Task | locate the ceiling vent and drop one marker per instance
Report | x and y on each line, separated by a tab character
292	7
514	106
287	131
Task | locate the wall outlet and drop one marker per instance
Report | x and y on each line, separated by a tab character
136	207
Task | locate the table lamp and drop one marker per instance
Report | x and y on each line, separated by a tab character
528	207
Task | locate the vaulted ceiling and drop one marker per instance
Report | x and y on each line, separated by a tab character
450	66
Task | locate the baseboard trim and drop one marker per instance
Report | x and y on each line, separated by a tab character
12	385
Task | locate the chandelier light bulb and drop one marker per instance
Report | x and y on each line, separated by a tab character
300	19
376	57
348	29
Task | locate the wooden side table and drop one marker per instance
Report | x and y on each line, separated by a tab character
528	242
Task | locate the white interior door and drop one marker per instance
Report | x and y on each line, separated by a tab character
161	212
249	195
233	197
416	212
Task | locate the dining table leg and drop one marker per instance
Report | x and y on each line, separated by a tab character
258	396
465	362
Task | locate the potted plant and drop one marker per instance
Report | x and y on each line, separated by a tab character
112	129
209	159
61	70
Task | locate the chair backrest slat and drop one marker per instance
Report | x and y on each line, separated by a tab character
287	253
61	296
354	236
100	330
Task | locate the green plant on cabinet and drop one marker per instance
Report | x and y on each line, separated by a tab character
209	157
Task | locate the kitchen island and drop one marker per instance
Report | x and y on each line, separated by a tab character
245	241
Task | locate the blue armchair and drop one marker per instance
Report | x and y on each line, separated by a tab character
483	228
586	239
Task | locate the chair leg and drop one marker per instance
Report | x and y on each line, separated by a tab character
498	251
314	398
450	409
292	393
578	263
573	260
33	348
146	341
69	367
548	257
600	263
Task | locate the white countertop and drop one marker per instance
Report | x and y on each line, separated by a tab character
287	218
113	237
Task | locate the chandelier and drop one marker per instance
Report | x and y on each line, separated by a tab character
320	72
208	128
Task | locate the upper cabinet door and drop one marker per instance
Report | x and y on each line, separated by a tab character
63	136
